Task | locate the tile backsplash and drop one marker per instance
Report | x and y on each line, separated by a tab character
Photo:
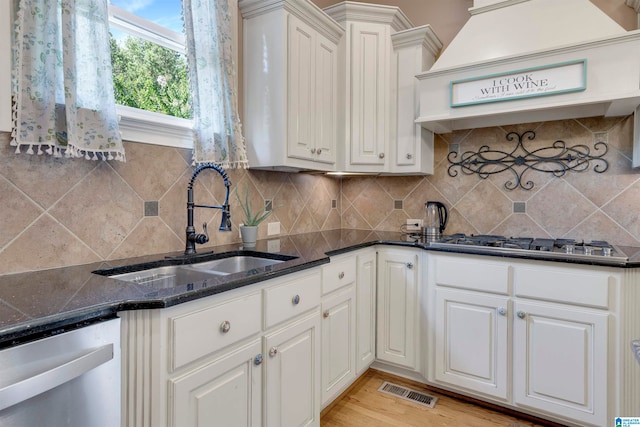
59	212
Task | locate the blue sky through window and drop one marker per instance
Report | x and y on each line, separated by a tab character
167	13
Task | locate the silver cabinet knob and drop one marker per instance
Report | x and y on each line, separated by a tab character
521	314
502	311
273	351
381	155
319	151
225	326
313	151
295	300
258	360
325	314
409	265
409	156
341	275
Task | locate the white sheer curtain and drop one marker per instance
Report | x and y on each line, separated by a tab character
62	82
217	130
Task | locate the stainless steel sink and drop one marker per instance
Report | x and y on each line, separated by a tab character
169	276
234	264
164	277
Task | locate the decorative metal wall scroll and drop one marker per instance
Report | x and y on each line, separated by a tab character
556	159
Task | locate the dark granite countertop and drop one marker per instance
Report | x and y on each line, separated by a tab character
40	303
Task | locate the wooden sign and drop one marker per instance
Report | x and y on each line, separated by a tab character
539	81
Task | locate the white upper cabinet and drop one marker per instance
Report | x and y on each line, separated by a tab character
414	51
366	127
291	103
5	66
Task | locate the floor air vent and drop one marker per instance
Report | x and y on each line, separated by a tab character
408	394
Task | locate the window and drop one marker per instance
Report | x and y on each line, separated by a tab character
153	102
150	71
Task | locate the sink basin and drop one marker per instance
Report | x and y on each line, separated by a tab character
175	272
234	264
164	277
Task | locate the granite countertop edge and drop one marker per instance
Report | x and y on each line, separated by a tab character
42	303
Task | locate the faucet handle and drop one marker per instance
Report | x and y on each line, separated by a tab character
204	237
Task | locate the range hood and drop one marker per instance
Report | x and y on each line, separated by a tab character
520	61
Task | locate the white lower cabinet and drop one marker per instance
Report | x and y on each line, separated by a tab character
292	374
365	309
560	360
228	391
338	326
532	335
245	357
398	316
471	348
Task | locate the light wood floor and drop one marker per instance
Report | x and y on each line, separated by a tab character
362	405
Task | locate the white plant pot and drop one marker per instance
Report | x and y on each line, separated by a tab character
249	234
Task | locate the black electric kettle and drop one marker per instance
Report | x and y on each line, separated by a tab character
435	221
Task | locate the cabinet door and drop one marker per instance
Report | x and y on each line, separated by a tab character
398	307
471	341
301	89
365	310
326	100
338	342
560	361
292	380
227	392
369	75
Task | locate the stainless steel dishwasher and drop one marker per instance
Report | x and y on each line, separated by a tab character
65	380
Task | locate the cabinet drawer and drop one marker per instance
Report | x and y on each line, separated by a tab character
291	298
206	331
338	274
474	274
567	285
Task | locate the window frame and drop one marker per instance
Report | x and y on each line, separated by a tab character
137	125
6	23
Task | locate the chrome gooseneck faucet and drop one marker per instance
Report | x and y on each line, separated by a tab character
225	224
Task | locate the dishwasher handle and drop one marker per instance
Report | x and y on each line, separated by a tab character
45	381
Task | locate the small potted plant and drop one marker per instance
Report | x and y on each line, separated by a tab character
249	227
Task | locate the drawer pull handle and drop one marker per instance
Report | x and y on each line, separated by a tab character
409	265
325	314
341	275
258	360
502	311
521	314
273	351
295	300
225	326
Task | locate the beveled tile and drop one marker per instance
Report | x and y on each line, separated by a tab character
615	179
398	186
150	236
44	178
520	225
624	209
485	207
289	205
373	204
396	219
46	244
18	211
414	202
457	223
351	218
559	207
599	226
150	179
101	210
305	223
352	187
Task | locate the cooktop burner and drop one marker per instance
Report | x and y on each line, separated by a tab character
535	247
